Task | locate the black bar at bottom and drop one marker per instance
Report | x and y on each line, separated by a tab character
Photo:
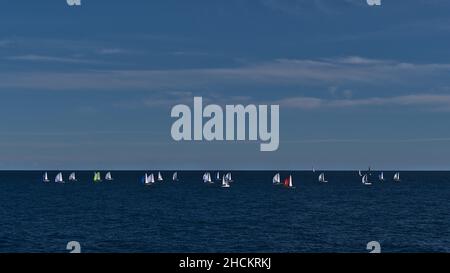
250	262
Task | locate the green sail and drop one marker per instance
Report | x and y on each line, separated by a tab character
97	177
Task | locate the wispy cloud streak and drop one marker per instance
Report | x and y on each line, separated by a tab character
322	72
441	101
45	58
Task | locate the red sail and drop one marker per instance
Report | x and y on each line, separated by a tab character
286	182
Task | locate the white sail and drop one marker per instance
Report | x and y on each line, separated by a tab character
217	176
360	174
59	178
365	180
228	177
381	176
72	177
322	178
313	170
276	179
108	176
225	183
151	178
207	177
160	178
397	177
290	181
45	177
175	176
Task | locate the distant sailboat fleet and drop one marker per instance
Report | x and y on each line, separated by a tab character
225	180
73	178
149	179
381	178
276	180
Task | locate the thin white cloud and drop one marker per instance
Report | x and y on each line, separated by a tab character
111	51
357	60
45	58
441	101
189	53
346	71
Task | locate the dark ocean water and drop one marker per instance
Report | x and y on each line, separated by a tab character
251	216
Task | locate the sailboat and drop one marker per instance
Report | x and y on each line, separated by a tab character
225	182
228	177
149	179
360	174
59	178
207	178
217	176
45	178
365	180
397	177
313	170
97	177
175	176
381	177
322	178
288	182
276	180
72	177
160	178
108	176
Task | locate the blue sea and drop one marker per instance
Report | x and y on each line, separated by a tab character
253	215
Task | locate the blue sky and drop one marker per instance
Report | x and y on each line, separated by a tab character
92	87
